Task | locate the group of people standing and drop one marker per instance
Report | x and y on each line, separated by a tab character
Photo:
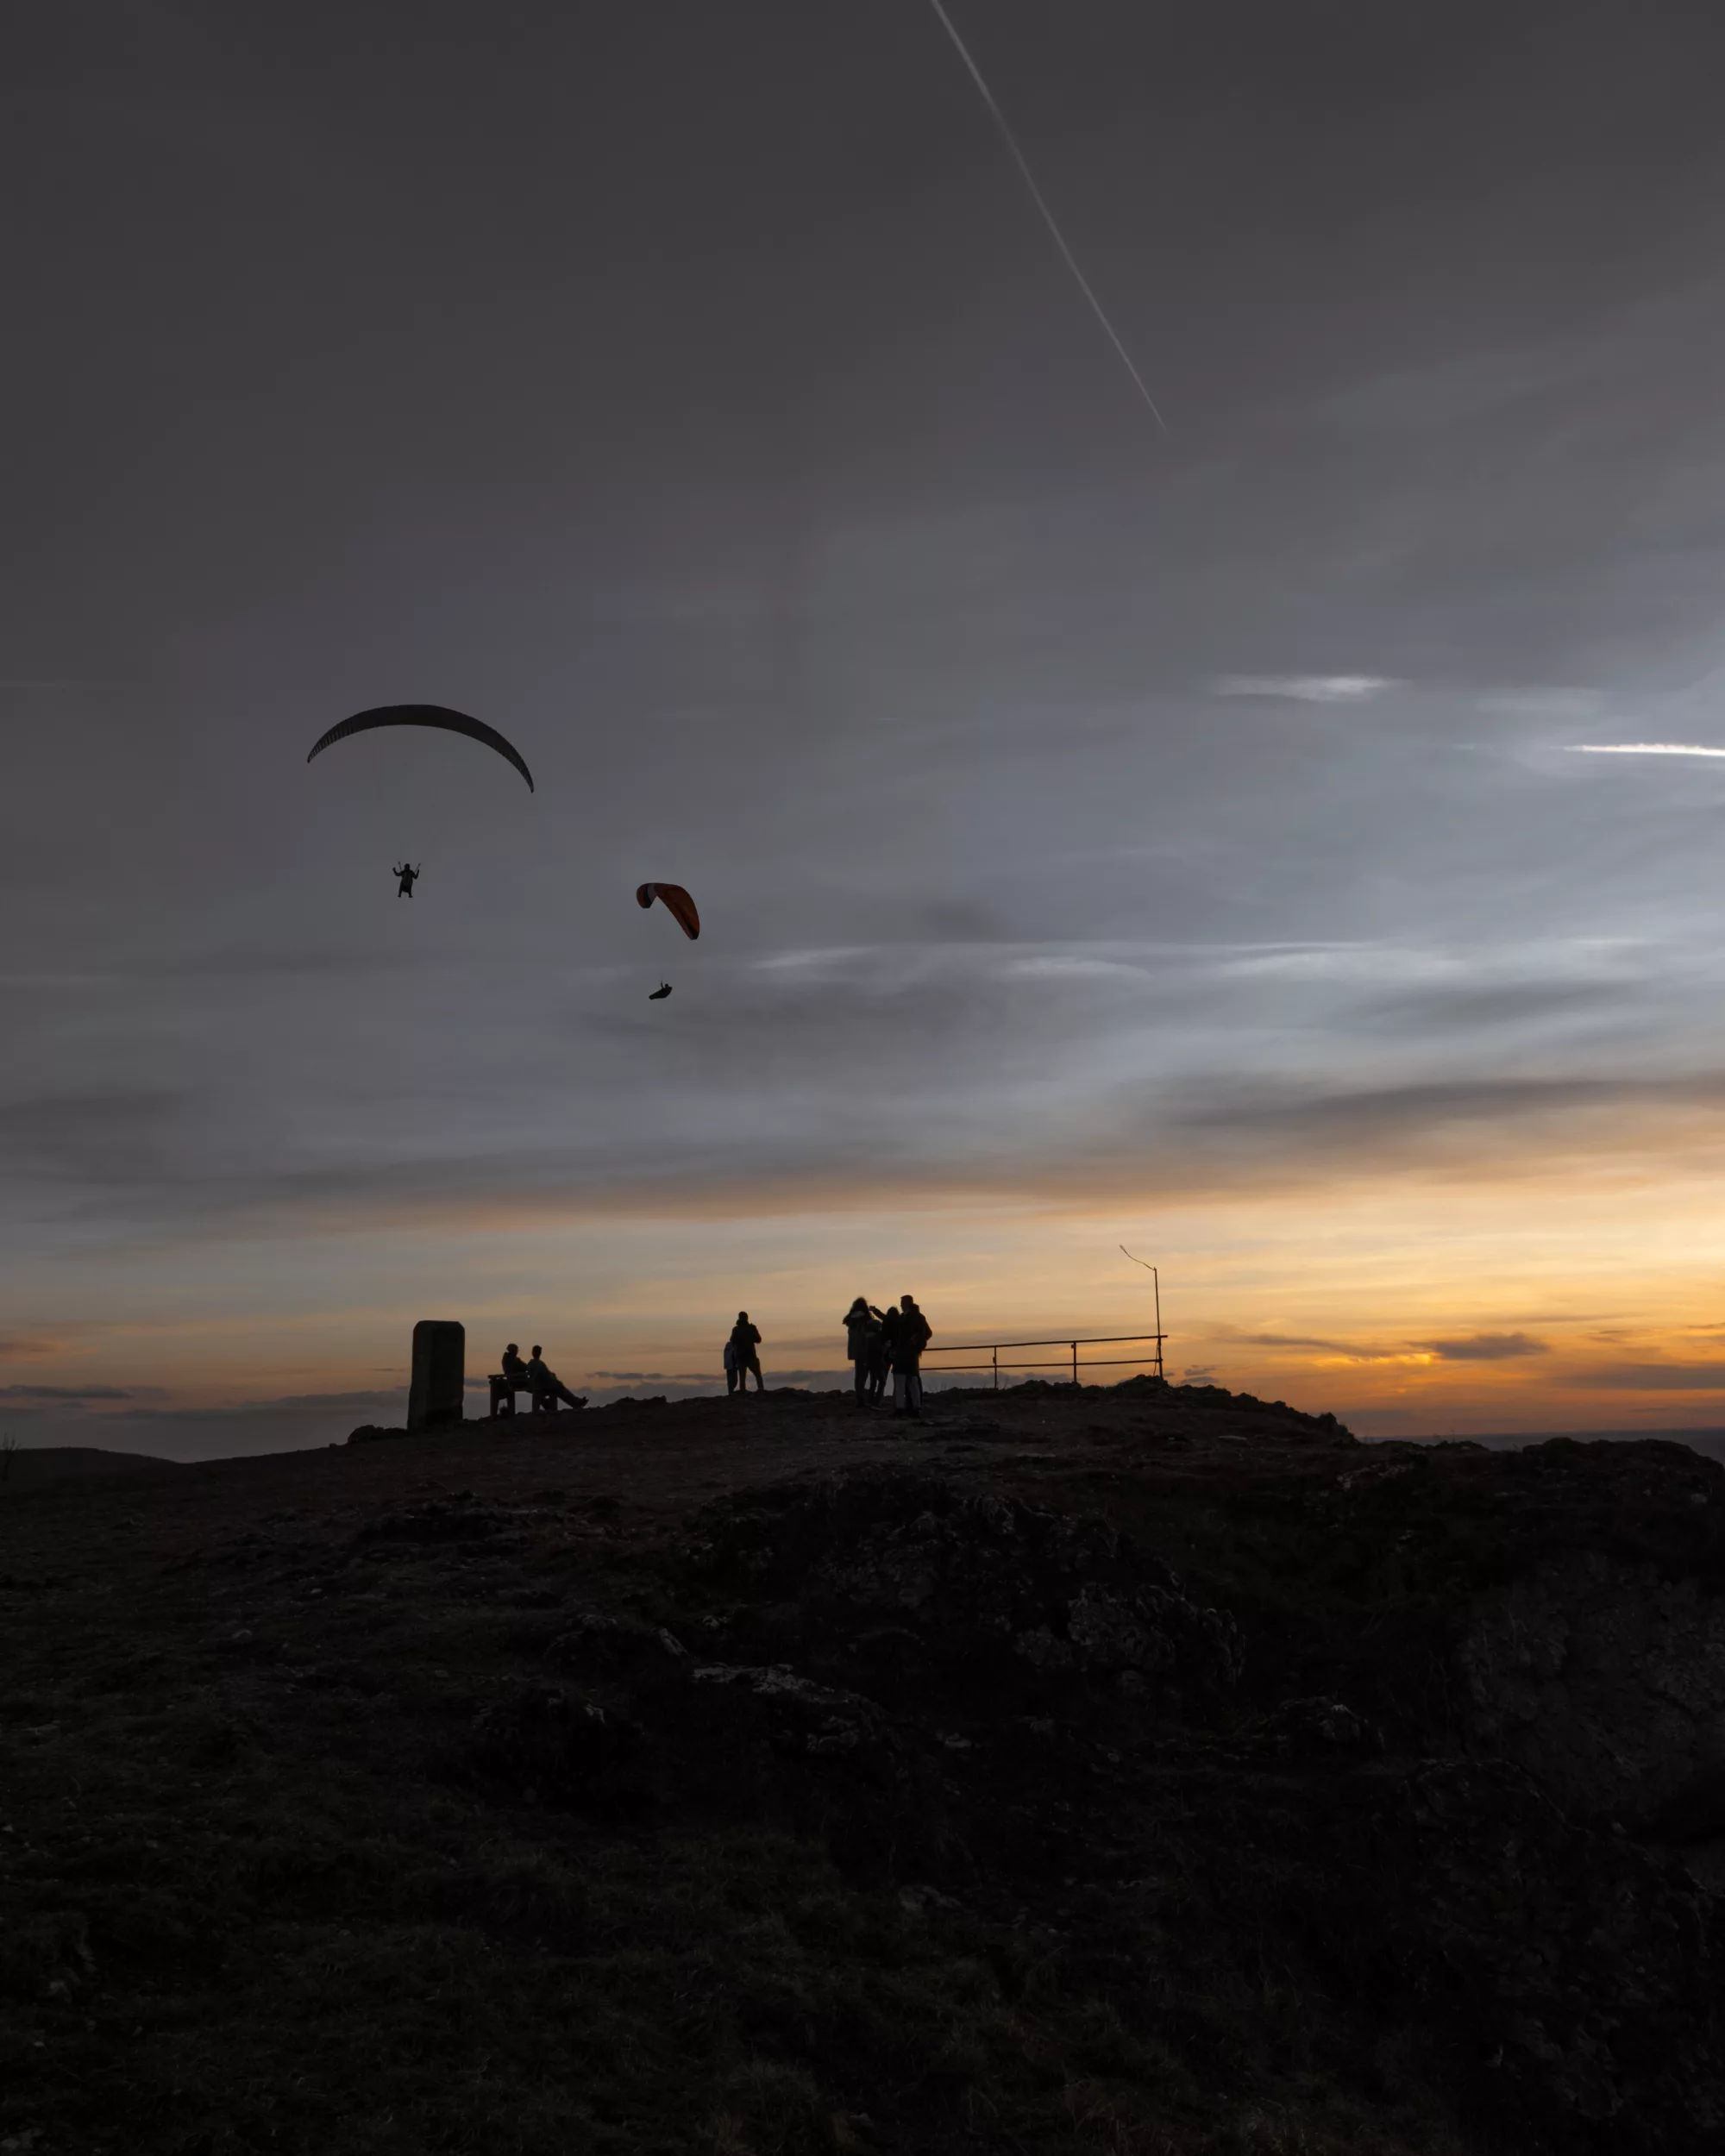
890	1340
880	1343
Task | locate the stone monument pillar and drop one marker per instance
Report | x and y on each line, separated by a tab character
440	1351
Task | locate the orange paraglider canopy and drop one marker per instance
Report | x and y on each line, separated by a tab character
676	902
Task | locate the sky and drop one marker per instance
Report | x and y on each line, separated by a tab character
1105	835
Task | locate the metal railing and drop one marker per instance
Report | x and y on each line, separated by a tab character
991	1348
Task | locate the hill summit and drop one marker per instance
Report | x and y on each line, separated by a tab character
1133	1770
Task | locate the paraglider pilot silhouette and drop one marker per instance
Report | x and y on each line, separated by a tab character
682	908
433	714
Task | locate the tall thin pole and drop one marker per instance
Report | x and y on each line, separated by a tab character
1157	1277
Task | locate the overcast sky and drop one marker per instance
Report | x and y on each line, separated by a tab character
1103	835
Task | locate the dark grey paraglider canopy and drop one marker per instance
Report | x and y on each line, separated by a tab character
426	715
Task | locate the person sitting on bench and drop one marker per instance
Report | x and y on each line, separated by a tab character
511	1379
547	1387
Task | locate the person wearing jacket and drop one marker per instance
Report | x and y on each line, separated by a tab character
745	1341
547	1388
910	1337
881	1368
861	1338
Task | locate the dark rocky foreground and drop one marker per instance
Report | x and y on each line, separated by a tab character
1148	1773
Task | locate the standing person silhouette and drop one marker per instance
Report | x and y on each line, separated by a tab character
408	876
912	1335
881	1362
861	1338
745	1341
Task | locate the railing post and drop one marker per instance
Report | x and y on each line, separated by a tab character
997	1369
1074	1362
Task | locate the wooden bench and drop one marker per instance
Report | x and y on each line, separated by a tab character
502	1397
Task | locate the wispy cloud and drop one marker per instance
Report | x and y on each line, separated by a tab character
1487	1347
1478	1347
1056	967
1656	1377
654	1378
798	961
65	1392
1543	703
1348	1348
1640	749
290	1405
1304	688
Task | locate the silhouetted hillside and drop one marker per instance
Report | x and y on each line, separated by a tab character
71	1462
1127	1771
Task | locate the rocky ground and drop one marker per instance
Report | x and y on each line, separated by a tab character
1140	1771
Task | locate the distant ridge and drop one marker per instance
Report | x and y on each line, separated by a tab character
1708	1439
1501	1439
71	1462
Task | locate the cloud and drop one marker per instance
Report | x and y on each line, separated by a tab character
122	1135
654	1377
1414	1124
1473	1009
1270	1124
1304	688
290	1405
1469	388
1055	966
1211	1129
1326	1347
809	961
1639	748
894	1068
1487	1347
1479	1347
65	1392
1543	703
1655	1377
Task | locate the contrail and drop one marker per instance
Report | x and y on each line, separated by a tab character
1639	748
1036	196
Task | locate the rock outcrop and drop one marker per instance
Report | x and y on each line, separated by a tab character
1604	1680
956	1595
